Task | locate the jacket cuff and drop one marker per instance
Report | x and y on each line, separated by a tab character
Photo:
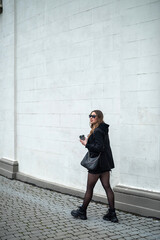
86	145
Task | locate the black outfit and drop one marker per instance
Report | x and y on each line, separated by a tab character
99	142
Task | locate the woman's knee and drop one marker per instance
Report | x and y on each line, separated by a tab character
106	186
90	188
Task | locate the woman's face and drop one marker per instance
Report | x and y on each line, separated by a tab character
93	118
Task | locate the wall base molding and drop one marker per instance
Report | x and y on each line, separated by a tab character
48	185
136	201
56	187
8	168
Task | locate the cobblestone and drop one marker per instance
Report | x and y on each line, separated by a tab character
29	212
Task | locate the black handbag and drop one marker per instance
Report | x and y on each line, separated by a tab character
90	162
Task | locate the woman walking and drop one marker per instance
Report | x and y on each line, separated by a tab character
98	142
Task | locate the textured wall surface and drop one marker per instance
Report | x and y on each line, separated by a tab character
140	95
7	146
72	57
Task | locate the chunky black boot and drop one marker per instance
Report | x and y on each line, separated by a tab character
111	216
79	213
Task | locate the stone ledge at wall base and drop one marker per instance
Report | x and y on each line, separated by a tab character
8	168
56	187
141	202
136	201
48	185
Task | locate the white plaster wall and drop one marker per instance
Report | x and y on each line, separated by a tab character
76	56
7	149
67	65
140	95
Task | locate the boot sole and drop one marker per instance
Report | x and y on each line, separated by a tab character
107	219
75	216
116	221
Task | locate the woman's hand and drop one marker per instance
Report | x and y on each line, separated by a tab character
84	142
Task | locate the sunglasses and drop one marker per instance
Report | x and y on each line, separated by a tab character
92	116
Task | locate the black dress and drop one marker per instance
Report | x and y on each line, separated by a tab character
97	143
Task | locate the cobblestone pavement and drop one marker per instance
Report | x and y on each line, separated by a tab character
29	212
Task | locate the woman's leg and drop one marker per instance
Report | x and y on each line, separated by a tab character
91	182
105	180
81	211
111	214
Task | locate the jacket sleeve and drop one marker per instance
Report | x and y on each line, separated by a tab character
97	145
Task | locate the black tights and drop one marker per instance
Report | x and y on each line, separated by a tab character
92	180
